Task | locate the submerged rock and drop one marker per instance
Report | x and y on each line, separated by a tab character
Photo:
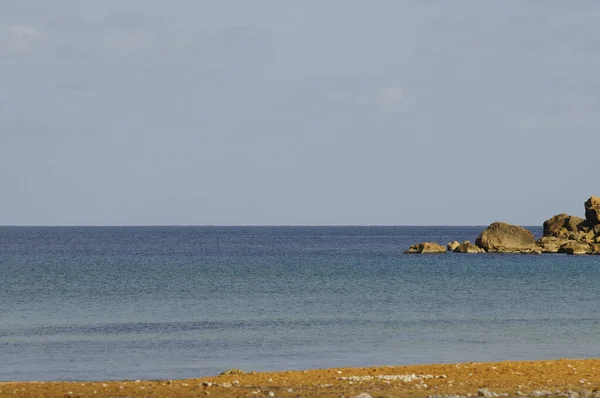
426	248
506	238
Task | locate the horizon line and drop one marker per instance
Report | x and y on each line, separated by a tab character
243	225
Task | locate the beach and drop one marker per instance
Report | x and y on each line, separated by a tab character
561	377
299	199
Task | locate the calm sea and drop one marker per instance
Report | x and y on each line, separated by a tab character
89	303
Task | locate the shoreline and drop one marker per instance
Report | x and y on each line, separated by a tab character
559	377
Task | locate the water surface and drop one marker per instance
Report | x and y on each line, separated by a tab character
90	303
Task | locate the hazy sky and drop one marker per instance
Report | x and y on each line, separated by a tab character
313	112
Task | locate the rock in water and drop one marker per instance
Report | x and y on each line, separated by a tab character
592	210
565	226
506	238
550	244
573	247
555	225
233	371
468	247
452	245
575	224
426	248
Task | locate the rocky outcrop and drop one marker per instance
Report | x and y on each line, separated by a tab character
574	247
468	247
554	226
506	238
573	229
563	233
550	244
574	224
592	210
452	245
426	248
564	225
596	230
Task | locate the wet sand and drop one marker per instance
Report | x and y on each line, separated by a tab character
563	377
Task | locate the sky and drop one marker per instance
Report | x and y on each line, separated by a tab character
315	112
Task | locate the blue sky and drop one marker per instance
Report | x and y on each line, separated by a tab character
268	112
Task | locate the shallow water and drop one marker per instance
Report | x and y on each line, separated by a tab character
89	303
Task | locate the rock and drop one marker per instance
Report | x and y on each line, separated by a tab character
426	248
573	247
468	247
534	250
541	393
507	238
585	393
589	237
594	248
233	372
573	223
579	236
453	245
563	225
585	226
592	210
554	226
484	392
363	395
550	244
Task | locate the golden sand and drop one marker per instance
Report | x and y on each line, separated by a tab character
509	377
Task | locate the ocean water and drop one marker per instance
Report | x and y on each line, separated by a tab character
91	303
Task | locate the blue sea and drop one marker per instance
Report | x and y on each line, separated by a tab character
92	303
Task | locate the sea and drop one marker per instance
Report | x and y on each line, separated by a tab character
115	303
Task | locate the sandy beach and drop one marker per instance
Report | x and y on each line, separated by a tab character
562	377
